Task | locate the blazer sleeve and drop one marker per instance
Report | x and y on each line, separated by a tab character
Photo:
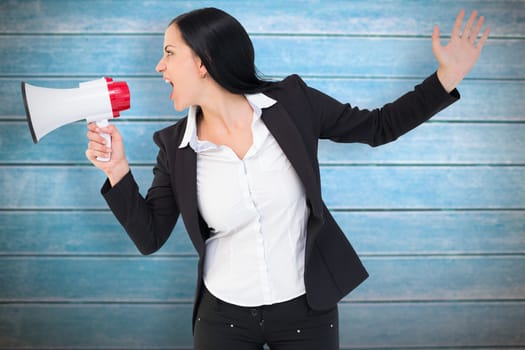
148	221
344	123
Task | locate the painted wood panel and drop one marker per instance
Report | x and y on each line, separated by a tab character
418	187
404	326
162	279
503	99
431	143
275	55
480	325
438	216
373	233
358	17
95	326
365	187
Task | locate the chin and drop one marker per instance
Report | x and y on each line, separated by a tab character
179	107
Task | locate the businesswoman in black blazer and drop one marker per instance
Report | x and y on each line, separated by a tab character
241	169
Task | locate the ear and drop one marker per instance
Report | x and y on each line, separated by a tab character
202	69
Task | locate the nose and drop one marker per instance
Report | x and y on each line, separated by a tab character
161	66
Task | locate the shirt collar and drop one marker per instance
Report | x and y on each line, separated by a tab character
257	101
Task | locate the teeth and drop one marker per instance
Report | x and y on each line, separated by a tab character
167	81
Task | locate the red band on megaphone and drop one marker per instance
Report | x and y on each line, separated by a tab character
119	96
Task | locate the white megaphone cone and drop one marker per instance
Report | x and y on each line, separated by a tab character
96	101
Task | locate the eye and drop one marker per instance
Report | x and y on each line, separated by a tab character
169	53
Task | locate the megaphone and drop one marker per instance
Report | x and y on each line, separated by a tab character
96	101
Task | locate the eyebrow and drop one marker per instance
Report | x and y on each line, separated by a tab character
166	47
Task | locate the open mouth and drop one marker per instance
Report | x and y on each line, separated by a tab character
170	83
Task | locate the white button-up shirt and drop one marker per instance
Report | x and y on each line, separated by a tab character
257	212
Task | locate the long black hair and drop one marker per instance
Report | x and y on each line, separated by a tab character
224	47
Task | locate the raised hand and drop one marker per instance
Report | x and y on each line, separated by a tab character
461	53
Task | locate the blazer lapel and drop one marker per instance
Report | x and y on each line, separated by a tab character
282	128
186	185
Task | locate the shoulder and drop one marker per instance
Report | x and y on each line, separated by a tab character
290	90
172	134
290	82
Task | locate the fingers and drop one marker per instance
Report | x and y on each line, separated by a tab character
94	136
97	145
483	39
95	128
435	33
92	155
467	31
96	149
472	29
475	32
456	30
436	40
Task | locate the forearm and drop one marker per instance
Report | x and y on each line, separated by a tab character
148	221
343	123
414	108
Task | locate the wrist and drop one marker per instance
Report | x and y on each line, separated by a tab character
449	80
117	172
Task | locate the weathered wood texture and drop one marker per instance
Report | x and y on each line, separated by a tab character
438	216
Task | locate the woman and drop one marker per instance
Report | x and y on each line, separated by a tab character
242	171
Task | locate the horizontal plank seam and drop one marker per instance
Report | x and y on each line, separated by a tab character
322	164
22	120
423	36
416	210
105	348
471	121
8	255
125	256
135	165
436	301
422	347
419	164
444	347
36	301
67	302
70	76
332	209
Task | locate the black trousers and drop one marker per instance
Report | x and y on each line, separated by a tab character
291	325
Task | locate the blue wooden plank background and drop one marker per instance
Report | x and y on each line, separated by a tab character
438	216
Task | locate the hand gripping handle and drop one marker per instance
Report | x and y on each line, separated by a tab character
102	124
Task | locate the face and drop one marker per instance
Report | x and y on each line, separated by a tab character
182	69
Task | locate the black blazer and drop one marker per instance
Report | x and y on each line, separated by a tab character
301	116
